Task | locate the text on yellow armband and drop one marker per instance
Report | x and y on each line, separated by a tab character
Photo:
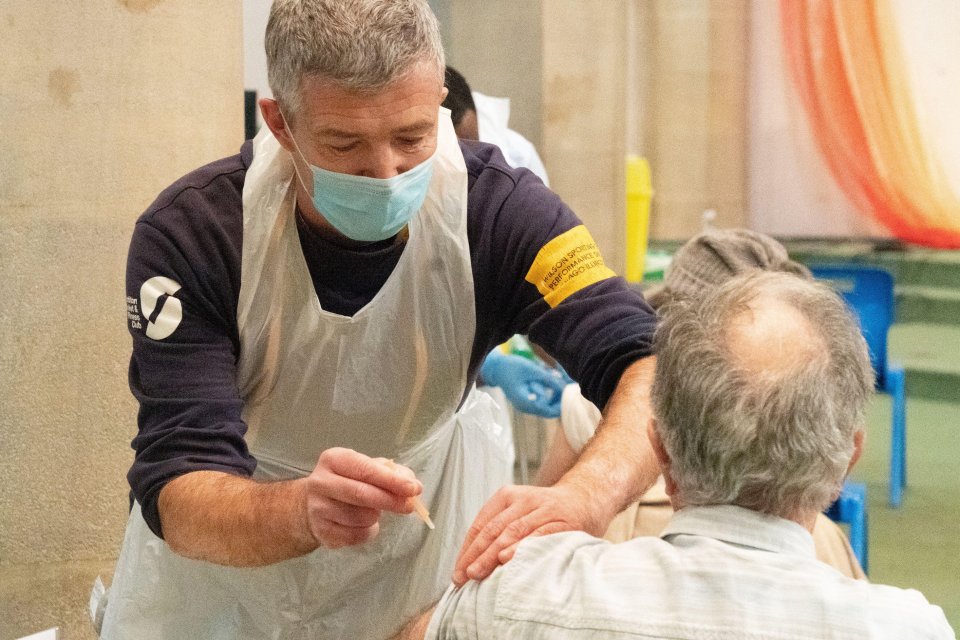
567	264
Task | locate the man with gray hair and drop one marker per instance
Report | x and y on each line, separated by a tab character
699	266
759	401
308	319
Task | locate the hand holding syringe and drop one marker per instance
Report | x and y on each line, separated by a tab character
346	494
415	502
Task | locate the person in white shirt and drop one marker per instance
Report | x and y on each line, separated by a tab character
759	402
486	118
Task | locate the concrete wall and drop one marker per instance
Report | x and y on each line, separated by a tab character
662	78
584	89
255	16
496	45
696	98
101	108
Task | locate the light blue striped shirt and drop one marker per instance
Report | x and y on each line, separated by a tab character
716	573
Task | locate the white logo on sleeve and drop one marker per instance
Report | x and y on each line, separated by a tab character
160	289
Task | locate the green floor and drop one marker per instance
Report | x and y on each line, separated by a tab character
918	545
931	354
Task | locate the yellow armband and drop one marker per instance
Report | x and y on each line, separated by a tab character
567	264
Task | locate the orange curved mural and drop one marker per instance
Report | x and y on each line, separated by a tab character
846	63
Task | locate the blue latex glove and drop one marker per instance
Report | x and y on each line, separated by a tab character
564	375
529	386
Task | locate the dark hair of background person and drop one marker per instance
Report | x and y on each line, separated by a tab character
459	99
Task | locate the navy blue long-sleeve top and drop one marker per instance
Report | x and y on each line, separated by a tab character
186	382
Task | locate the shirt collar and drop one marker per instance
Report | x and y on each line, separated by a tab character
745	527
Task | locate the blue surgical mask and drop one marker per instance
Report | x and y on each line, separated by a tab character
368	209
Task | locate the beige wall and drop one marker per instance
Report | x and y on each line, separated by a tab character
697	105
679	100
495	44
704	97
101	108
584	89
663	78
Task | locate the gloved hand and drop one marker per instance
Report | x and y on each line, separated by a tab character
529	386
564	375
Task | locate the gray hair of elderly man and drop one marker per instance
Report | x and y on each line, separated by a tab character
760	387
362	44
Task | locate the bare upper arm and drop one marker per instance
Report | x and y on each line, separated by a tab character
416	629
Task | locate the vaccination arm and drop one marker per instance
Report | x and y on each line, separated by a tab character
614	469
236	521
416	628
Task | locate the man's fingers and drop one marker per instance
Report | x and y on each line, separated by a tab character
512	532
347	491
335	537
490	523
399	469
494	506
351	464
513	514
502	549
353	492
506	555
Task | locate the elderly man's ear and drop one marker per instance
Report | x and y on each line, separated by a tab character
663	458
858	437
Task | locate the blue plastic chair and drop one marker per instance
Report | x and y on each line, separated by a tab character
869	293
851	509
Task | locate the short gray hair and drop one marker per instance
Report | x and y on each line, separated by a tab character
364	45
777	436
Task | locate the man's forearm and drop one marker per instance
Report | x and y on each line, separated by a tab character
558	460
618	463
235	521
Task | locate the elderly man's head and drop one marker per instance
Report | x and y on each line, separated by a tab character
760	393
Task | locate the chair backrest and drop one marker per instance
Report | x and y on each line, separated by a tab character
869	293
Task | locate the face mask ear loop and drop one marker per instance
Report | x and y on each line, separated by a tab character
296	169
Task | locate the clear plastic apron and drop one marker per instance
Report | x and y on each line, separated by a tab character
385	382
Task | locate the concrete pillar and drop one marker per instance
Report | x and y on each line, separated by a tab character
495	44
101	107
584	91
696	102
